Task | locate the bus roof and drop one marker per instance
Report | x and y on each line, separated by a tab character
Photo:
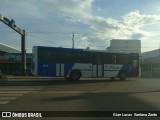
58	48
89	50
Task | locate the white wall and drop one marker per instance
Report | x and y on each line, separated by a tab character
125	45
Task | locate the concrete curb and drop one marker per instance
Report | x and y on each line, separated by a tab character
31	77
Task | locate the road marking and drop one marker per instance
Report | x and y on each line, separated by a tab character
8	98
8	94
11	95
74	92
4	102
15	89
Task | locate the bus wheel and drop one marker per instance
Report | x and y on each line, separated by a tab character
3	79
75	75
122	76
112	78
67	78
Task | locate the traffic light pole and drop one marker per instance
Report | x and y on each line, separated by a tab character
11	24
23	53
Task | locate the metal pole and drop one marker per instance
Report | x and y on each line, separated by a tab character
11	24
73	41
23	53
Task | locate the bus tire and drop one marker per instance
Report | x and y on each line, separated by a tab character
75	75
3	79
112	78
67	78
122	76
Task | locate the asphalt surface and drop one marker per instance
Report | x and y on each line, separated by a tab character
96	94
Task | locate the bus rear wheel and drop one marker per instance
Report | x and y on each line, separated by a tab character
75	75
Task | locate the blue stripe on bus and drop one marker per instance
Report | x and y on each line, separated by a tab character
68	68
126	68
46	68
58	48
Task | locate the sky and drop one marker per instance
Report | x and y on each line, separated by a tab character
93	22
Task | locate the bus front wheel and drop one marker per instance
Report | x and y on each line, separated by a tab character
75	75
122	76
112	78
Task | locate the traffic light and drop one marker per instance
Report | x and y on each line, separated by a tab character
12	23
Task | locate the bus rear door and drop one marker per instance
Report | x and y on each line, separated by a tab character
98	65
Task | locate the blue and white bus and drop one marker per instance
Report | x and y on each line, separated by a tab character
76	63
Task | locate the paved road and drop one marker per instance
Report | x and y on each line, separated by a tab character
85	95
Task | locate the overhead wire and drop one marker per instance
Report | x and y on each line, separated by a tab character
49	41
64	33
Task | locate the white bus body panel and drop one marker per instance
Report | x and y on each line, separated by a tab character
85	68
111	70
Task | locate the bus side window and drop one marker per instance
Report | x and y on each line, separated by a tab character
88	58
53	56
68	57
60	56
106	58
135	61
98	59
123	59
114	59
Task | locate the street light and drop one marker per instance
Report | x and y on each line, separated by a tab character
11	24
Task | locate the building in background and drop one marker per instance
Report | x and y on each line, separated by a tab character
151	63
125	45
8	49
10	59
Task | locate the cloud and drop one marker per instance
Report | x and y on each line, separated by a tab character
135	18
132	26
135	23
103	29
75	8
71	15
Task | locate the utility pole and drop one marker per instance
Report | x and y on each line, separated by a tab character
23	53
73	41
11	24
159	62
